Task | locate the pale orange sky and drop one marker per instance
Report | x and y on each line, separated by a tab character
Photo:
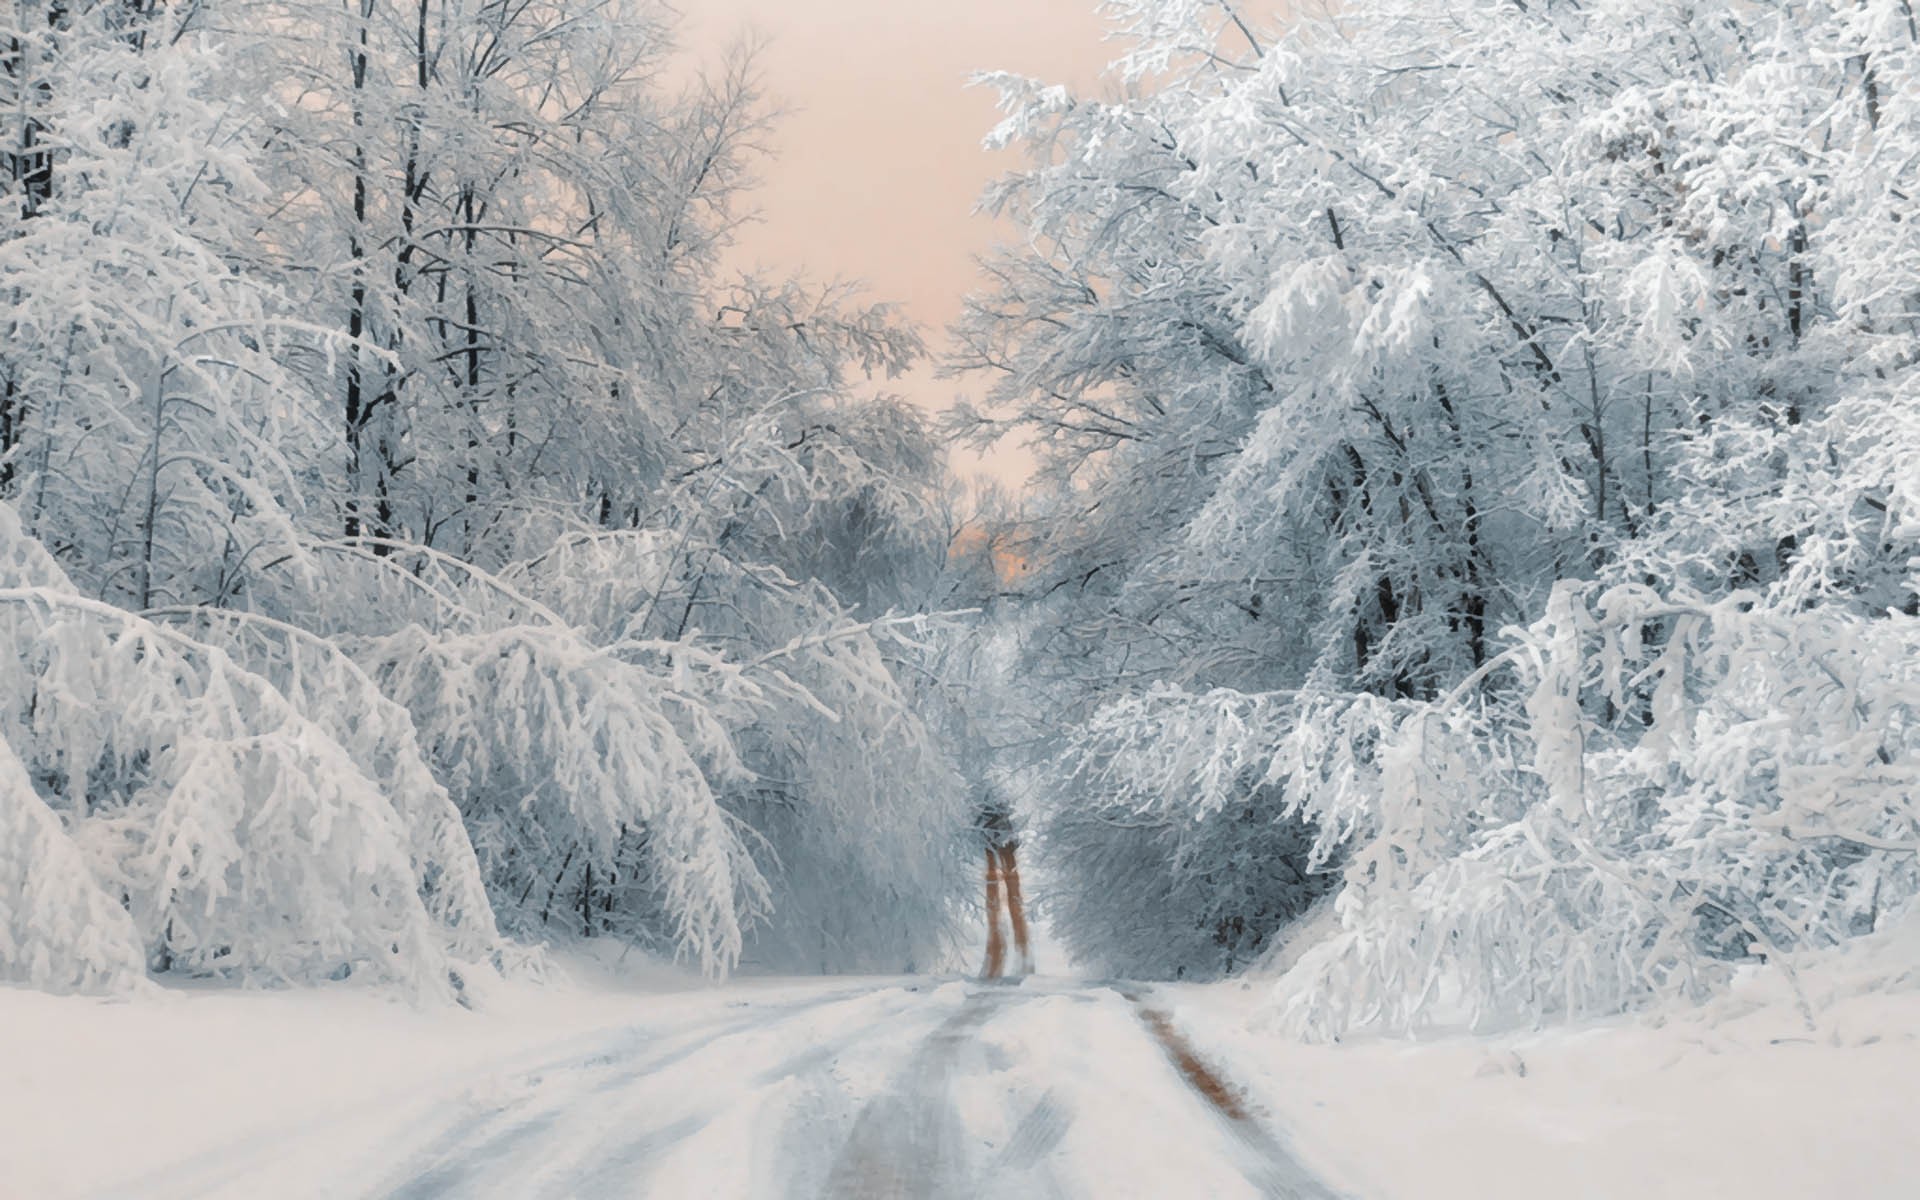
877	163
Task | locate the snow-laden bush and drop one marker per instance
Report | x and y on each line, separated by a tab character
571	763
59	929
1684	787
322	681
850	818
1670	788
241	837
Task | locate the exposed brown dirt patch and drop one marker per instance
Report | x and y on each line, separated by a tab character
1194	1069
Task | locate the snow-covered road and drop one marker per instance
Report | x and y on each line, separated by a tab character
637	1080
888	1089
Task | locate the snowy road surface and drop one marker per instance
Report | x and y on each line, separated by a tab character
642	1081
888	1089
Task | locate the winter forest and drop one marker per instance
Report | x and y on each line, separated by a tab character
1471	578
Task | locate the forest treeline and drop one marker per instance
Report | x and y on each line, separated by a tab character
414	543
1479	495
1481	480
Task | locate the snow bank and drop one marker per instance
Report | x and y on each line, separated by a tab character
1741	1098
198	1083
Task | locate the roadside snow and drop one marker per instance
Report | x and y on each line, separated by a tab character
96	1096
652	1083
1738	1100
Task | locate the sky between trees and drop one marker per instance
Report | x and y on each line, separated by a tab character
877	163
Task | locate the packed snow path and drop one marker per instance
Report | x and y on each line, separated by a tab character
896	1089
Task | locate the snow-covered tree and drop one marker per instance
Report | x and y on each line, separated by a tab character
1362	339
242	837
440	532
154	431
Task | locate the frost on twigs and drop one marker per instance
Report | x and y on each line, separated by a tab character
1685	787
242	839
59	929
1476	441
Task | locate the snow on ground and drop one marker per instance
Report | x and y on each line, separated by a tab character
97	1095
1722	1102
841	1087
652	1084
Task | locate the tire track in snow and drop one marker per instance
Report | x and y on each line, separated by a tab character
461	1160
210	1171
913	1142
1274	1170
622	1163
876	1091
1036	1136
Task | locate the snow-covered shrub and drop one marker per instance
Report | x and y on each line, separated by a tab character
240	836
849	813
322	681
59	929
1685	786
570	763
